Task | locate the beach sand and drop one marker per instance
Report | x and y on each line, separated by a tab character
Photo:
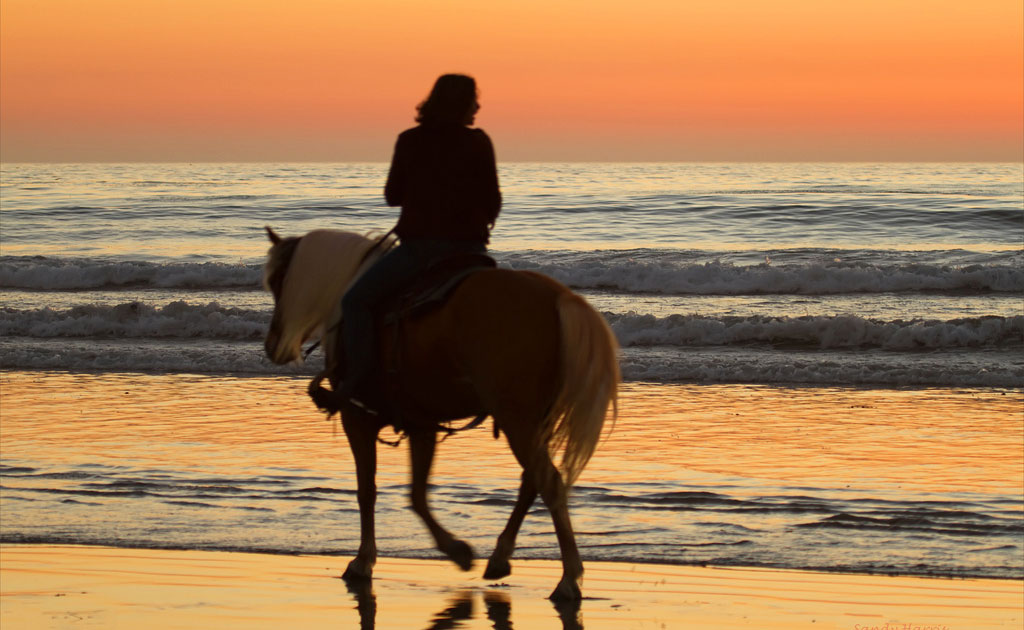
46	586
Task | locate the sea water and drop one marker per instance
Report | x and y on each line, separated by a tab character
819	281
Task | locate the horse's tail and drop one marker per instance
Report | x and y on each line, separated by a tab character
589	384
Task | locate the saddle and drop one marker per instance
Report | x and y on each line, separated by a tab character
429	291
432	288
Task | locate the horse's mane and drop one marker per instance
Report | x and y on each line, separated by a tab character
309	274
279	257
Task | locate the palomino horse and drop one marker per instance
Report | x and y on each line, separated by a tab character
514	345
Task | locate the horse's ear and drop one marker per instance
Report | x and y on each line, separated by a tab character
272	235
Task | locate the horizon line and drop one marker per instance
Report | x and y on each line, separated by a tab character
1019	161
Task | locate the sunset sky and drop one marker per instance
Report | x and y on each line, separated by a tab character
619	80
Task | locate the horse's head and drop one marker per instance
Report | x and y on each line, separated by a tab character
307	276
279	259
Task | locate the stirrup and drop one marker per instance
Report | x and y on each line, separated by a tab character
324	399
332	402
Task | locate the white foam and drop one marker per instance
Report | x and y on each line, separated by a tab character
649	271
146	355
825	332
137	320
183	320
726	278
63	274
969	368
868	368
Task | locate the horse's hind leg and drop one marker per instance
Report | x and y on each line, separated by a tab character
498	566
421	449
362	439
537	464
556	497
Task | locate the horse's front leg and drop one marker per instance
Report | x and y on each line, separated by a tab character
498	566
421	449
362	439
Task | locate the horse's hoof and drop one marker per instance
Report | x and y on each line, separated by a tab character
497	569
461	554
568	590
357	572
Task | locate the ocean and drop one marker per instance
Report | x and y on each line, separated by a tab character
823	363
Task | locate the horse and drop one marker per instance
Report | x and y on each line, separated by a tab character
513	345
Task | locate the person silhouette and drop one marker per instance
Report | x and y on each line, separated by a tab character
444	177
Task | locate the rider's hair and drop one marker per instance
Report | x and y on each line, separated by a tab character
449	101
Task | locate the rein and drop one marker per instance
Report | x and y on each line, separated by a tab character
381	241
472	424
447	430
310	349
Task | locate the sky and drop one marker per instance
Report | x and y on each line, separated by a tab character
560	80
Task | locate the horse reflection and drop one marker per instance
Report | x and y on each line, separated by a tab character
499	609
461	607
366	603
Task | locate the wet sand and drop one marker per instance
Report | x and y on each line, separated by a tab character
45	586
898	440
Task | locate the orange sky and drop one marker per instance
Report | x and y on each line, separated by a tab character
197	80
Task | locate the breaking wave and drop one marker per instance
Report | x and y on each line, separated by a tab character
646	271
137	320
75	274
840	331
807	278
183	320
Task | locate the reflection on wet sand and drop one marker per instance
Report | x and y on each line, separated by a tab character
461	607
366	603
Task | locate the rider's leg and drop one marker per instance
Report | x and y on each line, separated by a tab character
390	273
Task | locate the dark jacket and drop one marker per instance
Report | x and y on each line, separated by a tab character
446	180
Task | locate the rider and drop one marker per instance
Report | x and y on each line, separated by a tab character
444	176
